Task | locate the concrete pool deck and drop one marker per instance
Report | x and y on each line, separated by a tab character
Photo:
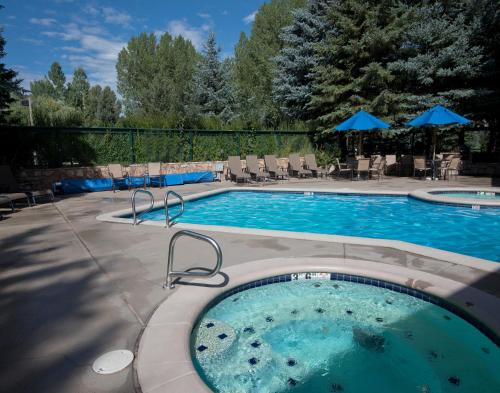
73	288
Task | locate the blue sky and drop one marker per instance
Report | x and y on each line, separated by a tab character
91	33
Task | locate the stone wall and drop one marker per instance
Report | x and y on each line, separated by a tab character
44	178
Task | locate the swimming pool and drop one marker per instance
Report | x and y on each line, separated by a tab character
481	195
325	332
458	229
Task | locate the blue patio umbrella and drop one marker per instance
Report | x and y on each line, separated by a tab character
437	115
361	121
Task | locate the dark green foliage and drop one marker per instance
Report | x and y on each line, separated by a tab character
10	85
78	89
254	69
352	73
212	84
292	84
154	77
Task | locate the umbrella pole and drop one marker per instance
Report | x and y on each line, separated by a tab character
434	140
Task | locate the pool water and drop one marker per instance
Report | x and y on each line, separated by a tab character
458	229
481	195
336	336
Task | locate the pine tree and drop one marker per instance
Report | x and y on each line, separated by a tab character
92	105
58	79
109	107
437	61
362	38
78	89
211	83
292	83
9	84
254	70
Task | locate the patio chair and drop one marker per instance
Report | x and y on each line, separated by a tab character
272	167
378	168
419	165
391	164
313	166
343	168
154	171
253	169
295	167
118	175
10	189
11	198
453	168
235	171
362	166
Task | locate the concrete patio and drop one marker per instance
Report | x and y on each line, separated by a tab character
73	288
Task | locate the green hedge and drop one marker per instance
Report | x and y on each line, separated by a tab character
37	147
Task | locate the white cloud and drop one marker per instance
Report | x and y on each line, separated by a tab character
224	12
181	28
32	41
43	21
96	53
250	18
114	16
204	15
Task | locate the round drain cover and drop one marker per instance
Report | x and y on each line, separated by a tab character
112	362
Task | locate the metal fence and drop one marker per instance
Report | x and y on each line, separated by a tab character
55	147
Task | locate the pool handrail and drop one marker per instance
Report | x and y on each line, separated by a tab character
150	208
169	221
170	261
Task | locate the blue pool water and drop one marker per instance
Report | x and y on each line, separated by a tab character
453	228
334	336
481	195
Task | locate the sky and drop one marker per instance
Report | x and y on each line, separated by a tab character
90	34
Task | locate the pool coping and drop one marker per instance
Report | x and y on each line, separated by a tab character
163	362
427	196
412	248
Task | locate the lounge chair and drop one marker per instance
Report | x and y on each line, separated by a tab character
313	166
362	166
391	164
10	189
117	175
11	198
295	167
419	165
154	171
343	168
453	168
377	168
272	167
235	171
253	168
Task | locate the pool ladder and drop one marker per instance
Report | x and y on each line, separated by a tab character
173	274
169	221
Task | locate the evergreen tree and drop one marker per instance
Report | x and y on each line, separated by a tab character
294	74
78	89
9	84
352	73
58	79
109	107
211	84
92	105
437	61
254	70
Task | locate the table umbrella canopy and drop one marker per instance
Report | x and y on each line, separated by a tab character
361	121
438	115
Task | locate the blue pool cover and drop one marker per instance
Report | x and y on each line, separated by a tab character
74	186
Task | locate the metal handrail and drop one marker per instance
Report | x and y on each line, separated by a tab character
170	262
169	220
134	213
